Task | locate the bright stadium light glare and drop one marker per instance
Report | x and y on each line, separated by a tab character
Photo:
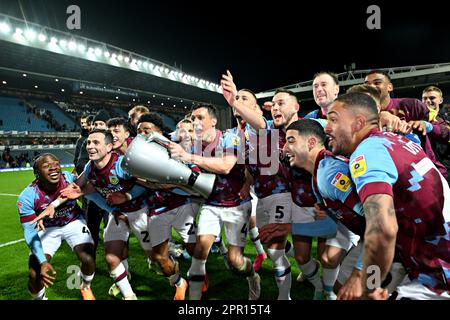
127	59
117	98
81	92
62	90
151	65
113	56
63	43
19	31
98	51
4	27
120	57
72	45
24	75
133	61
30	34
134	99
166	70
107	54
42	37
56	80
145	64
139	63
53	40
36	87
81	47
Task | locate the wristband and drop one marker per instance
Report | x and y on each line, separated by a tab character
56	203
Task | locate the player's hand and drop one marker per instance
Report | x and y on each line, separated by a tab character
228	88
47	212
47	279
390	121
274	232
116	198
72	191
418	125
119	216
268	105
245	191
320	212
378	294
352	289
177	152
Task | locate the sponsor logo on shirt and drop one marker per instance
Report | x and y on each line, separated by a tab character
341	182
358	166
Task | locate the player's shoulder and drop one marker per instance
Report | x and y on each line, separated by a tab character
231	139
68	176
29	192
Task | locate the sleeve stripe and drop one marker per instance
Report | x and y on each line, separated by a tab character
27	218
375	188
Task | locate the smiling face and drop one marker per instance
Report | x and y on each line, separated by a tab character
325	90
339	129
119	136
284	110
49	169
432	99
97	147
381	83
296	148
146	128
185	131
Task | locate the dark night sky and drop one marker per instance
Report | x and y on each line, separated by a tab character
265	46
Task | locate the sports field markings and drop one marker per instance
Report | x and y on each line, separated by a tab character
11	243
15	241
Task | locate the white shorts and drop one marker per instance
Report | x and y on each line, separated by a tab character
305	223
235	220
349	262
138	225
344	239
182	219
412	289
254	203
276	208
75	233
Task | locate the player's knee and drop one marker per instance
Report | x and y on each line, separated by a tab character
112	260
302	258
329	261
244	269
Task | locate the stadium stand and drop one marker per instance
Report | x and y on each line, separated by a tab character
66	123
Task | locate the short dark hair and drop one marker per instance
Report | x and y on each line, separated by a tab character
114	122
306	127
153	118
212	111
289	92
378	71
365	88
251	92
108	135
331	74
358	100
89	118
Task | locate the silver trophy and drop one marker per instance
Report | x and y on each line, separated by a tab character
148	158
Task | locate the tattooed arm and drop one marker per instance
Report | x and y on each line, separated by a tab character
380	235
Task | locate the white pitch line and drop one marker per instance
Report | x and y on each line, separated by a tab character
11	242
9	195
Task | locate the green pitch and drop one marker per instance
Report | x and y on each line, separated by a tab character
146	284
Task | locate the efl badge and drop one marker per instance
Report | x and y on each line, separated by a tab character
113	180
358	166
341	181
236	141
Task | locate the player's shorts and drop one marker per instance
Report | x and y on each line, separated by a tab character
254	202
344	239
305	224
75	233
182	219
235	220
414	290
276	208
138	225
349	262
